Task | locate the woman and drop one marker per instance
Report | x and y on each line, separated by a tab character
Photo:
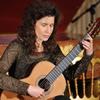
36	42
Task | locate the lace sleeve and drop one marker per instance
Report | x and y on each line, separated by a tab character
8	57
7	82
83	64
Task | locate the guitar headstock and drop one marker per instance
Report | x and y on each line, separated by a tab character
95	28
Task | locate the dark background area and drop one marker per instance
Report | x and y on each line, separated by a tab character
11	12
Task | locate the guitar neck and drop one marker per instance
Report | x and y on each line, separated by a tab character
57	70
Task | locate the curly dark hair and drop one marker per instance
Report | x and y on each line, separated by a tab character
35	11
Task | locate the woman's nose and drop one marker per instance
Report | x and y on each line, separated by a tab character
49	29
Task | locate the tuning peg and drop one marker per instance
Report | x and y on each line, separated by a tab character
87	28
91	21
89	24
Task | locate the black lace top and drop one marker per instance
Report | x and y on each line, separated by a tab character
19	65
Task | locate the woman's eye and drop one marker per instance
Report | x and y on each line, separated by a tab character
51	25
43	24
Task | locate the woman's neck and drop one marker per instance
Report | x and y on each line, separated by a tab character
39	45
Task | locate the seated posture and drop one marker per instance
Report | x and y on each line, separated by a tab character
34	43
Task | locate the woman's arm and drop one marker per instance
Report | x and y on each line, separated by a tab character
7	82
81	66
10	83
78	68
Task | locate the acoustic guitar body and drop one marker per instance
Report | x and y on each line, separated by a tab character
39	73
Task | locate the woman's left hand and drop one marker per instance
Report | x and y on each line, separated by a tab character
88	45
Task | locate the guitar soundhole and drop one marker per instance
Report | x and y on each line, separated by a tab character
45	84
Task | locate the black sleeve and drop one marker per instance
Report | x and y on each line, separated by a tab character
56	55
81	66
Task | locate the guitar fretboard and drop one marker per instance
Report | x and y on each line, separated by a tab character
57	70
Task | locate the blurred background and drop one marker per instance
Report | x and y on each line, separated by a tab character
76	16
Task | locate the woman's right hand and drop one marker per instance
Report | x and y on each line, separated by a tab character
35	91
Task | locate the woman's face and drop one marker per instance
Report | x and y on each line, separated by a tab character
44	28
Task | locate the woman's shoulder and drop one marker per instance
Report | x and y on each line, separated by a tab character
15	44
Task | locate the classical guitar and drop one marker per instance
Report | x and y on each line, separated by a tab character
48	76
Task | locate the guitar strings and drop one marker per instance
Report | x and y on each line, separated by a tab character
57	70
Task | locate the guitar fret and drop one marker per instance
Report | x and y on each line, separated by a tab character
67	61
62	67
49	78
69	58
63	63
53	75
76	49
57	70
72	56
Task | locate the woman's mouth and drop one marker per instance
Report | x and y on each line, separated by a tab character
46	36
